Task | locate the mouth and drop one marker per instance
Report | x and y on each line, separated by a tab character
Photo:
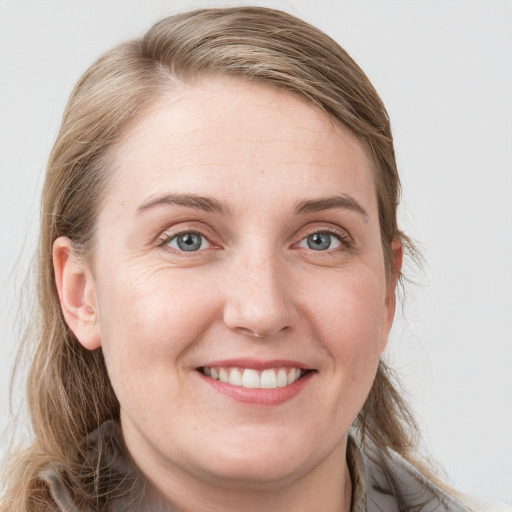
250	378
256	382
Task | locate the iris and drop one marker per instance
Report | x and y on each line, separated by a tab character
189	241
319	241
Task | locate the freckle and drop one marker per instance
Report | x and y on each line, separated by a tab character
262	171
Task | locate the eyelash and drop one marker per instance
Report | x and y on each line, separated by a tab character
342	237
167	238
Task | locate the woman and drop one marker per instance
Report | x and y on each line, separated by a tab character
218	261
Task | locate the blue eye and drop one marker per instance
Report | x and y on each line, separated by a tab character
321	241
188	242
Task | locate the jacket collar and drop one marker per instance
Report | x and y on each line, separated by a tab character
110	474
378	480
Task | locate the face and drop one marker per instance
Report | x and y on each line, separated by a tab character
239	287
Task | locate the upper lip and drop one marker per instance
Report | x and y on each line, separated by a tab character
256	364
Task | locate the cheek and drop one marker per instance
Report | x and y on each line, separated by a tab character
351	307
149	322
349	317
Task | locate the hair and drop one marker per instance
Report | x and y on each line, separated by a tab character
69	392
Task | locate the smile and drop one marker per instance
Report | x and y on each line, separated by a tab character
250	378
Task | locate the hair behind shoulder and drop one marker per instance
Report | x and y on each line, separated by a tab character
69	392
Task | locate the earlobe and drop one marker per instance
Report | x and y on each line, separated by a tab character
77	294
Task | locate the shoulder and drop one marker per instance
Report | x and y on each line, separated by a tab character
393	480
476	504
102	476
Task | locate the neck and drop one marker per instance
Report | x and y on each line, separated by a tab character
327	488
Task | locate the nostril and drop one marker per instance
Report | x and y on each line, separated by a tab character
259	314
255	333
249	332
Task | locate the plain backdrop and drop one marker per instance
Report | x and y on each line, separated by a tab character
444	70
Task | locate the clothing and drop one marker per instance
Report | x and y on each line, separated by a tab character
121	488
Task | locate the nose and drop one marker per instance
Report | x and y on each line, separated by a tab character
259	298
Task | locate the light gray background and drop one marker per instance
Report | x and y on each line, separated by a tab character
444	70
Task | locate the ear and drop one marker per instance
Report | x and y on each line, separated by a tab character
392	281
77	294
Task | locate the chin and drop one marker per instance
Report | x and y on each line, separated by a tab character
258	464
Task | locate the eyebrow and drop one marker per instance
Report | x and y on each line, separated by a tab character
207	204
326	203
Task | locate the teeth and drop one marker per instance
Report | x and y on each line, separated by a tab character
235	377
282	379
268	379
249	378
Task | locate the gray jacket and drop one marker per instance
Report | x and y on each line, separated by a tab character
376	484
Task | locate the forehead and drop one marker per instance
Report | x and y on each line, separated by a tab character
234	136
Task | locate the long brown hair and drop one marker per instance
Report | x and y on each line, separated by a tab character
69	392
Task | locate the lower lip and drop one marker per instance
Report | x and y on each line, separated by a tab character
258	396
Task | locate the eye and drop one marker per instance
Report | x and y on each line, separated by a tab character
321	241
187	241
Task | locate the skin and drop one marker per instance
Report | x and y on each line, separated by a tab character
254	289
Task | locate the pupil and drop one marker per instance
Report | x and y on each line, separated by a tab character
319	241
189	242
